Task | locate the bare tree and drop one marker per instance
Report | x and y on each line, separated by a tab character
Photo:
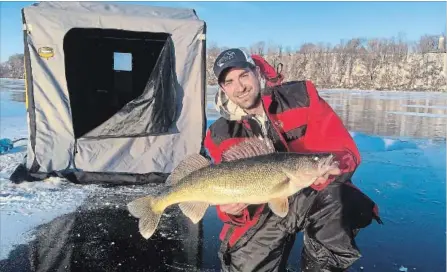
213	51
427	44
13	68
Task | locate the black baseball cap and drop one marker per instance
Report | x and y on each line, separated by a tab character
231	58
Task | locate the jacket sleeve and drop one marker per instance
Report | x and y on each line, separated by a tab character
215	152
326	133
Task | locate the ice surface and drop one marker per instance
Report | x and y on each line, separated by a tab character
27	205
403	169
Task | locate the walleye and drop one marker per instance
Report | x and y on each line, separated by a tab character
250	172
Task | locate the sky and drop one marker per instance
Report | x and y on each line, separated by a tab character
240	24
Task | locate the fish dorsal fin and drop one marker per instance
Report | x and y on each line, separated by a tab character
190	164
251	147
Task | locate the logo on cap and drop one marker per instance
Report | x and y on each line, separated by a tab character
226	57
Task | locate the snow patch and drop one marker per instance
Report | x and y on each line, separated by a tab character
28	204
424	106
8	163
420	114
388	142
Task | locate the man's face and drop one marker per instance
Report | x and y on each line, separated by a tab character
242	87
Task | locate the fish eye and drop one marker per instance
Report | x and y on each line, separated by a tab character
316	158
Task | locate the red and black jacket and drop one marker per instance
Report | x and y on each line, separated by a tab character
272	77
300	121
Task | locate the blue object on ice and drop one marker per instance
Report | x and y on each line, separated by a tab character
5	145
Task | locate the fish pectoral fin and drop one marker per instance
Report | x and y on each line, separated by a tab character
194	210
279	206
190	164
281	186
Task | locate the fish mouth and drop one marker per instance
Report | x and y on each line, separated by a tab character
329	165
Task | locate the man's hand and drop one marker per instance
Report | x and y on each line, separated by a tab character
234	209
323	179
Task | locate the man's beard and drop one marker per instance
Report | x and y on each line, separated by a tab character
253	104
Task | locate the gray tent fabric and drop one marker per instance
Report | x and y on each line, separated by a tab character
128	10
151	133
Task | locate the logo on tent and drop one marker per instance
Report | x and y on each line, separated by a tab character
46	52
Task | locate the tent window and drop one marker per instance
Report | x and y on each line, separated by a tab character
122	61
106	69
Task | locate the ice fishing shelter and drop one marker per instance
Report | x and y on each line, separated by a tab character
115	93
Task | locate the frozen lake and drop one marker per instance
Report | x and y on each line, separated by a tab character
402	138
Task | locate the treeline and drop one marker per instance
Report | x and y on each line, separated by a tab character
13	67
380	64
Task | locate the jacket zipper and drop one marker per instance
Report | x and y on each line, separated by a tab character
270	123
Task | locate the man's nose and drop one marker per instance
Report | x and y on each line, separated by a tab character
240	85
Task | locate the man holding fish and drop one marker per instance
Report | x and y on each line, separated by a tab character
281	163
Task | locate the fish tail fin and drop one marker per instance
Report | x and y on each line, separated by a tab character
143	208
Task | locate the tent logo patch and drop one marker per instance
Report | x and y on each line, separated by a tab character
46	52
